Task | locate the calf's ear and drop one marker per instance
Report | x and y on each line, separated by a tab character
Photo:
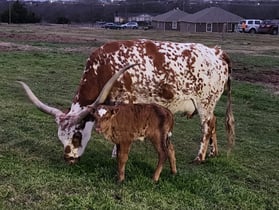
114	111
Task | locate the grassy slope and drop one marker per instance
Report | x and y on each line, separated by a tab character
33	174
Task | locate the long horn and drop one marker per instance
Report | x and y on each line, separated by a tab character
106	89
104	93
40	105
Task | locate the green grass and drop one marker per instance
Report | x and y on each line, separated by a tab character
255	61
33	174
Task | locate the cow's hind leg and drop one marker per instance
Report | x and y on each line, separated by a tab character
213	139
207	134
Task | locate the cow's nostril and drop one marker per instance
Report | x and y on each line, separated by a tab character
67	149
71	160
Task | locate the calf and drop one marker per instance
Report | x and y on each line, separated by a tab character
125	123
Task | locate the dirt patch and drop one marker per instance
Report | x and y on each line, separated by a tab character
268	78
42	38
8	46
23	41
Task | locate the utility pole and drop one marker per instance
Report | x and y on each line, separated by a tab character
10	13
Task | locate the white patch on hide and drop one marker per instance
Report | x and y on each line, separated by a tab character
102	112
141	138
114	152
169	134
75	108
185	105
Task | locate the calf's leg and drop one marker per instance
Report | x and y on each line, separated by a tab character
162	156
123	150
172	159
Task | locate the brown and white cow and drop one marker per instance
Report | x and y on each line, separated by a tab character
186	77
125	123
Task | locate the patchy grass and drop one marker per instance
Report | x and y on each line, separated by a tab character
255	62
33	174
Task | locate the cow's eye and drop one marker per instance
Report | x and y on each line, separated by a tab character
76	142
77	139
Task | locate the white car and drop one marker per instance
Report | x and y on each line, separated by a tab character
251	25
130	25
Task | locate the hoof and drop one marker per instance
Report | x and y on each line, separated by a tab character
155	179
174	172
214	154
197	161
120	182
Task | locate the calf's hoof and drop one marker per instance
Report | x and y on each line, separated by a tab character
174	172
155	179
120	181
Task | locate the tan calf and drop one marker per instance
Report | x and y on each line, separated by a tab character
126	123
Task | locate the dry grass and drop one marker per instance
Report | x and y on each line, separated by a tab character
24	36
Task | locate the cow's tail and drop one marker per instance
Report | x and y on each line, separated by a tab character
230	125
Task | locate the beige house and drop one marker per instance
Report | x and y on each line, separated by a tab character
211	19
141	18
168	20
133	17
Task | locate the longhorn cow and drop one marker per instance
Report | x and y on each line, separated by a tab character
185	77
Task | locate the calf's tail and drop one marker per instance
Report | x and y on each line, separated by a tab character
165	142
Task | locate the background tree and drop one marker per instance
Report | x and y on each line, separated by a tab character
90	11
19	14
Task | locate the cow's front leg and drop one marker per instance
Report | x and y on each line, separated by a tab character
207	134
123	150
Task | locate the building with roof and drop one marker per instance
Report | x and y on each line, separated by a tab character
168	20
213	19
141	18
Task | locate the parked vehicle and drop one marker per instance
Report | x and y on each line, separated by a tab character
111	26
147	27
99	24
130	25
269	27
251	25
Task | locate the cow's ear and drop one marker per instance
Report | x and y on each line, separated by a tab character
93	110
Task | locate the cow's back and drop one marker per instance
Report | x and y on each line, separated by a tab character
170	74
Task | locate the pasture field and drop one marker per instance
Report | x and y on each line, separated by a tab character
51	59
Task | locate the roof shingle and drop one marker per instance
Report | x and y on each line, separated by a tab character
211	15
172	15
